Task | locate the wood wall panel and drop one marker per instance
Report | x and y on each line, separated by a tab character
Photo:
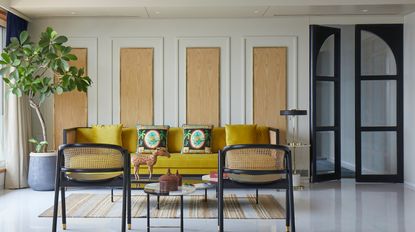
203	86
71	109
270	86
136	86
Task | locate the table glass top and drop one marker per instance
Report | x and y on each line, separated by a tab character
154	188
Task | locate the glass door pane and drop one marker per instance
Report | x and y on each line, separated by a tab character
378	103
376	56
325	150
325	58
325	103
379	153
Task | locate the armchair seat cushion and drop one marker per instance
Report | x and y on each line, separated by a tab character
92	176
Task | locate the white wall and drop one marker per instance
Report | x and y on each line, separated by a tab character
107	30
409	100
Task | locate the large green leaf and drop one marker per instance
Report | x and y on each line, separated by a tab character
60	39
24	36
6	57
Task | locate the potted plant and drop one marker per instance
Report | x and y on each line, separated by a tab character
38	70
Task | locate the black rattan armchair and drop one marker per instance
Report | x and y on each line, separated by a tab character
78	161
270	164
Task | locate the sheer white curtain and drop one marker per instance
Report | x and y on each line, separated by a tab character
17	129
17	125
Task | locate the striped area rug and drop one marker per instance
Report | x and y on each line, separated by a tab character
100	206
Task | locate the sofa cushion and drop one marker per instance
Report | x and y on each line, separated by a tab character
218	139
262	135
129	139
240	134
85	135
175	139
151	137
108	134
197	139
178	160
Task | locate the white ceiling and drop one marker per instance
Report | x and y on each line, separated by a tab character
208	8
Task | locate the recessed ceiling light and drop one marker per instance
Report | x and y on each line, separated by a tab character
157	12
73	13
364	10
256	11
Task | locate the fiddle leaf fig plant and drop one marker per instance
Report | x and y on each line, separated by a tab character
39	70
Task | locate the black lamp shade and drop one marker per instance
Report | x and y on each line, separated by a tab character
293	112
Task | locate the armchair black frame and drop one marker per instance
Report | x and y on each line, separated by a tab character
61	181
285	183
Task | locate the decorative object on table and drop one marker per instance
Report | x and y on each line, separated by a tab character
179	178
293	142
149	160
151	137
197	139
213	176
39	70
168	182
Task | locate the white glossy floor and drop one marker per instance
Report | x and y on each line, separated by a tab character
333	206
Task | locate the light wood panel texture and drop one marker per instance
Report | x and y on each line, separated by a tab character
203	86
270	86
71	109
136	86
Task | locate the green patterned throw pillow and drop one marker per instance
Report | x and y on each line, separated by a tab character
197	139
151	137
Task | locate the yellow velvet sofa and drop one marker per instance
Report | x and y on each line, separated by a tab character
187	164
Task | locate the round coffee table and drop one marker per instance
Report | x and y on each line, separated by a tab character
154	189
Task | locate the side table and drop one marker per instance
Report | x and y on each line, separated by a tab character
296	175
154	189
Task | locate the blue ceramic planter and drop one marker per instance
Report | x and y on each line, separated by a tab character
42	171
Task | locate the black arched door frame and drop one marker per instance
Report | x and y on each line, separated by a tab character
392	34
318	35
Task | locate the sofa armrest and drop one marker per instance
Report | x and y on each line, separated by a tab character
69	135
274	136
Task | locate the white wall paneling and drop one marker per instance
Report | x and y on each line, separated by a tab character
270	41
90	43
225	96
157	45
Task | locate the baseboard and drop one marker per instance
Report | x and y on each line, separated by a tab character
410	185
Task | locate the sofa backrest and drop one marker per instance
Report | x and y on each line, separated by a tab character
175	138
